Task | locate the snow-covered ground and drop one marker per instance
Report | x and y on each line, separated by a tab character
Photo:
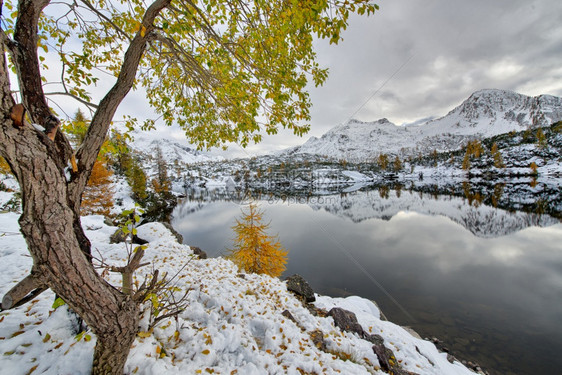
231	324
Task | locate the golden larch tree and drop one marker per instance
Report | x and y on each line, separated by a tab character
98	194
254	250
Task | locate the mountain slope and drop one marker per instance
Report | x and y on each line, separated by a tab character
148	144
484	114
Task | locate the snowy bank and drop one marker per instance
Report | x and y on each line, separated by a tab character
233	323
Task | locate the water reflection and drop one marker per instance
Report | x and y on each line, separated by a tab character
488	282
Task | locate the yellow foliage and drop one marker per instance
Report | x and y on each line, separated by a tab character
4	167
98	195
254	250
498	159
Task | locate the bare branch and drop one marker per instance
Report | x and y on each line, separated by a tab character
106	19
86	103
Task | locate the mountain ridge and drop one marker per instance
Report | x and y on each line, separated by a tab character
483	114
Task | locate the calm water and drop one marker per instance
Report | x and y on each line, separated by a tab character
492	295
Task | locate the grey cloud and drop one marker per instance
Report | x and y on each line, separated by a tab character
456	48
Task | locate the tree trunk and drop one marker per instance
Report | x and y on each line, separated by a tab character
50	220
48	225
60	250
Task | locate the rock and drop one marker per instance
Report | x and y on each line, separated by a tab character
287	314
375	339
388	361
139	241
109	222
200	253
386	357
346	321
317	338
316	311
178	236
298	285
119	237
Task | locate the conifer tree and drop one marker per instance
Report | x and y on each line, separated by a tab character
397	164
498	159
254	250
77	128
541	139
534	168
98	194
383	161
162	183
136	177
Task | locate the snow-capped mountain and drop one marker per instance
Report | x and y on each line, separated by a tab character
148	143
484	114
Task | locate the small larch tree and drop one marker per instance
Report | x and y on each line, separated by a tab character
541	139
254	250
382	161
397	164
497	156
224	71
98	194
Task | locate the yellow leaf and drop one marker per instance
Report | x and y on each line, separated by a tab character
144	334
143	31
206	352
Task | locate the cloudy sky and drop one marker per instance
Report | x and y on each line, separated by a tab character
416	59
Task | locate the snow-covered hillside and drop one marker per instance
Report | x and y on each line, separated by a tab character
484	114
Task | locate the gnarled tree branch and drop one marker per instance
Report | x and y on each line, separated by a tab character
26	59
20	293
97	131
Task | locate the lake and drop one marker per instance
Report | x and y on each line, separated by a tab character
485	281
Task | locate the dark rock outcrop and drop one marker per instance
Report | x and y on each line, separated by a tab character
346	321
119	237
299	286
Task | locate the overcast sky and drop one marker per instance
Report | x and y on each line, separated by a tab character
414	59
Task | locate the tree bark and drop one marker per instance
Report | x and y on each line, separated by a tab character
50	220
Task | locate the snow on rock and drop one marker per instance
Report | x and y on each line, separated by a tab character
232	322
